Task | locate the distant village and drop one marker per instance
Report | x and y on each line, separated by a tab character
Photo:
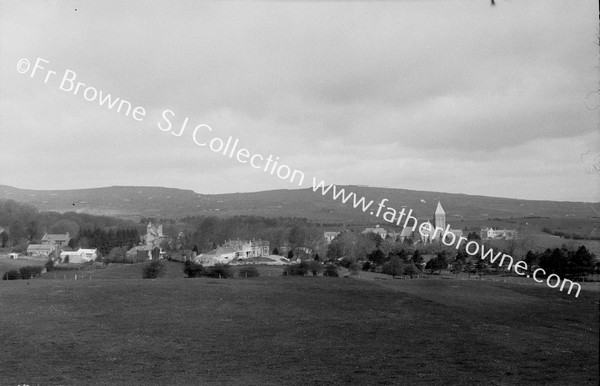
237	251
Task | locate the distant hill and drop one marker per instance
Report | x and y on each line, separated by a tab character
134	202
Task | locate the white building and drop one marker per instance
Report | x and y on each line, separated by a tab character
80	256
234	250
503	234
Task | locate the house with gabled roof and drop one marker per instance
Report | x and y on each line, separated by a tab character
329	236
40	250
234	249
377	230
58	240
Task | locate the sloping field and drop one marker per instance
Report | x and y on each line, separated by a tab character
297	331
7	264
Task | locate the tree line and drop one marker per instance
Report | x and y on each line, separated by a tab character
24	224
106	240
207	232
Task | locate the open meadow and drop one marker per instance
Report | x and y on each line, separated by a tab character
292	330
7	264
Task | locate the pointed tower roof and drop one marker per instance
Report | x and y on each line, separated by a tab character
439	209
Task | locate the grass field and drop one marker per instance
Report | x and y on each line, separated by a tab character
7	264
118	329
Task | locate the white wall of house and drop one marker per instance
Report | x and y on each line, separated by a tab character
80	256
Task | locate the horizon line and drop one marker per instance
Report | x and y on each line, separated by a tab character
292	190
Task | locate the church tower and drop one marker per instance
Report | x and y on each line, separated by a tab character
440	217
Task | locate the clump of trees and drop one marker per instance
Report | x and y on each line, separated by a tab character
370	252
566	235
207	231
437	263
297	269
25	224
219	271
119	255
304	268
106	240
396	267
13	274
314	267
192	269
24	273
153	270
331	271
567	263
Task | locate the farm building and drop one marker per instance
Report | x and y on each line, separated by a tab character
58	240
491	233
39	250
79	257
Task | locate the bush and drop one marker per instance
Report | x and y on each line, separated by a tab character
153	270
354	267
192	269
300	269
119	255
410	270
49	265
346	262
11	275
248	272
394	267
367	266
30	272
221	271
331	271
314	267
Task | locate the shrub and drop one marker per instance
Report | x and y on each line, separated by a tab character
248	272
354	267
11	275
221	271
346	262
394	267
314	267
192	269
153	270
331	271
366	266
119	255
30	272
49	265
299	269
410	270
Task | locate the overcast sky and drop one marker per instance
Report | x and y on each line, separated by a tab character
448	96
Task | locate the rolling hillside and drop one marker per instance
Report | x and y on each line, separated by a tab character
134	202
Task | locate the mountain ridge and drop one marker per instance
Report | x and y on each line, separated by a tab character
155	201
